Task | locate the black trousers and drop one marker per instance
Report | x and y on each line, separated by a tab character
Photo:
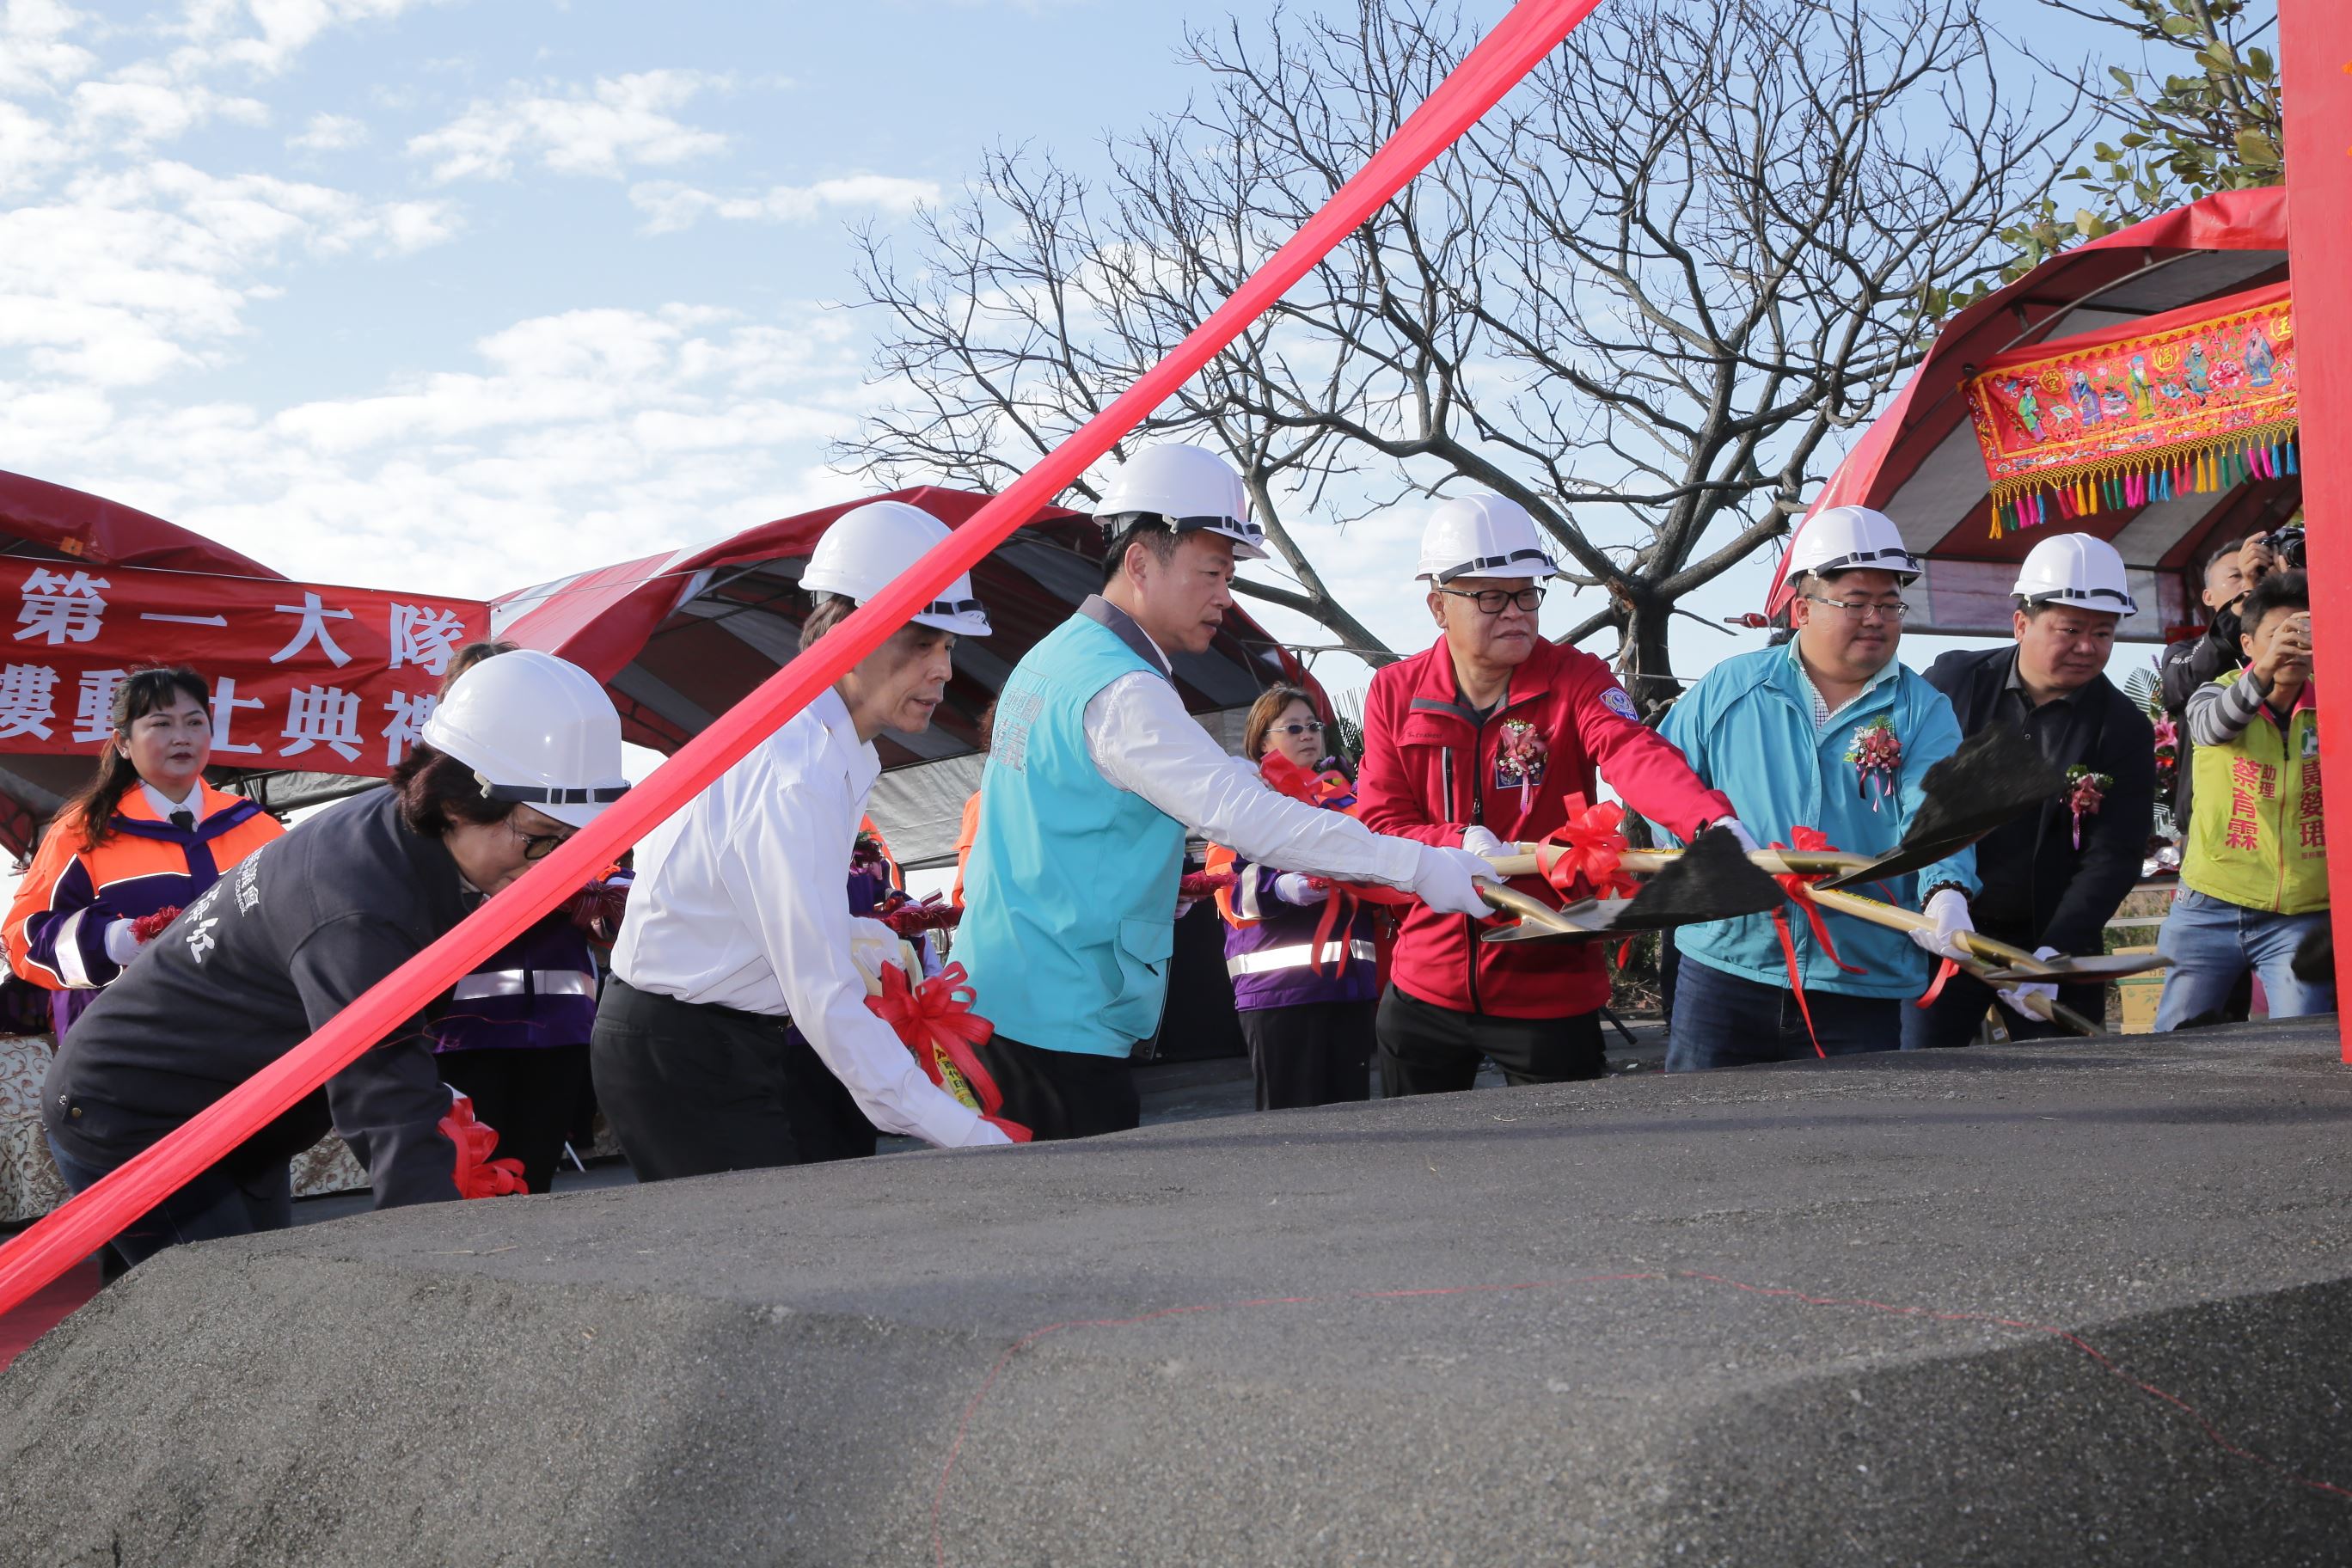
1429	1049
1061	1094
1316	1053
693	1090
528	1095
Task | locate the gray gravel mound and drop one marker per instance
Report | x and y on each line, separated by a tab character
2081	1302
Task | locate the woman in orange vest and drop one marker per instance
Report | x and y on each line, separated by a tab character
146	835
1308	1013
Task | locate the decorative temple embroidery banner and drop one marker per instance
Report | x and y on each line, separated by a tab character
2200	398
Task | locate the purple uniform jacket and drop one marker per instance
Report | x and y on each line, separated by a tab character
1269	944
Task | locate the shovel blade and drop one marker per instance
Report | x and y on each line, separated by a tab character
1582	921
1995	774
2070	971
1711	880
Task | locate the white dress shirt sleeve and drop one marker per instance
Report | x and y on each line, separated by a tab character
786	871
1140	737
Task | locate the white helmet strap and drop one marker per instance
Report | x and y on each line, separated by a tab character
551	794
1489	564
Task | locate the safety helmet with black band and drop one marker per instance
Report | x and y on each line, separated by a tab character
1849	539
2077	570
537	731
1184	489
868	546
1483	536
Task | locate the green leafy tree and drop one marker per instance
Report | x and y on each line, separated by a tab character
2200	114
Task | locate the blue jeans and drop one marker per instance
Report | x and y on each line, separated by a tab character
218	1202
2211	942
1726	1021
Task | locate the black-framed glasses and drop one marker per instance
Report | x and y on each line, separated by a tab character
1296	728
1863	609
1491	601
536	845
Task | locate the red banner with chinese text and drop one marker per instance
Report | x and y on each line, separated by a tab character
304	676
2196	399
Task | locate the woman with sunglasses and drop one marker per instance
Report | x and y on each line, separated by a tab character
524	749
1307	1008
146	834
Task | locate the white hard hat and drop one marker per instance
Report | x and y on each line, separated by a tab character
1483	536
1188	489
871	544
1851	539
537	731
2076	569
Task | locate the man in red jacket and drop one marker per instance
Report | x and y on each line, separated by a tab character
1482	740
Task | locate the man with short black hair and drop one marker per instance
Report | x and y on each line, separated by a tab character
2053	877
2254	881
2235	567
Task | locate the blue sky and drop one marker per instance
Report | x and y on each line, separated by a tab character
470	294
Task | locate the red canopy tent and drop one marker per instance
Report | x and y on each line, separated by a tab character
304	675
680	637
1920	463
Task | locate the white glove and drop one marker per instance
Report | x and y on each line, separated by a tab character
986	1134
121	941
1447	881
1739	831
2014	998
1481	841
874	947
1949	910
1297	887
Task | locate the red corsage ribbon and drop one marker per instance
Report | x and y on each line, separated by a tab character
911	918
1800	888
936	1022
147	928
476	1174
1202	884
1591	847
2087	793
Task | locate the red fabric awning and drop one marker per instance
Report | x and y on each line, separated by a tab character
1919	463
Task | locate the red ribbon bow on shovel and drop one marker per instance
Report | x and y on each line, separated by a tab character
1800	890
936	1022
1592	846
478	1175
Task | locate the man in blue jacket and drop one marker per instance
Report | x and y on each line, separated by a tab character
1828	731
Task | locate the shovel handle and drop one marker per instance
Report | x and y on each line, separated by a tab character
1531	859
1511	901
1896	919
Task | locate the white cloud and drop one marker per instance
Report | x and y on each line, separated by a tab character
35	54
602	130
142	106
576	439
669	206
329	134
216	35
125	276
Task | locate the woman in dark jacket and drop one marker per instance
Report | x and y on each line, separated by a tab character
1308	1013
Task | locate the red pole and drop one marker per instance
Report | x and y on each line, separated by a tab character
1531	30
2316	56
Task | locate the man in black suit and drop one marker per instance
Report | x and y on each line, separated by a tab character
2052	878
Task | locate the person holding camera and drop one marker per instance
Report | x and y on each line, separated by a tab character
2231	571
2254	877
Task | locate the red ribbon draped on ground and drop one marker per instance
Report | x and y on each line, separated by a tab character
478	1175
936	1022
1529	31
1800	890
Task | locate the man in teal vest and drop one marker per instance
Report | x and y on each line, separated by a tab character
1097	776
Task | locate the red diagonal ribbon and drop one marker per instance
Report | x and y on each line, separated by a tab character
936	1022
1800	888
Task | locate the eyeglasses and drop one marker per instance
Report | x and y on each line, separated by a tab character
1311	727
1490	601
1860	610
536	845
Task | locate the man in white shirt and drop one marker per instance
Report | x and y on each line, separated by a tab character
1097	776
739	924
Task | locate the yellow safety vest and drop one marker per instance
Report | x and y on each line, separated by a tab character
2258	832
